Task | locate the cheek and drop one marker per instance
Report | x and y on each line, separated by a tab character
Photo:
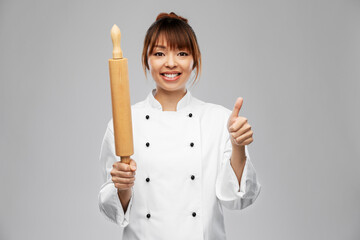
152	65
190	65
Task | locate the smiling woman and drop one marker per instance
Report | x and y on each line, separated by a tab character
172	32
171	53
170	68
190	157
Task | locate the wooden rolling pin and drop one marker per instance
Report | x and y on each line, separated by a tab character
120	98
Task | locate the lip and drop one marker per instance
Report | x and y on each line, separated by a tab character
170	72
170	79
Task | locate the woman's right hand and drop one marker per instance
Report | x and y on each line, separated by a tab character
123	175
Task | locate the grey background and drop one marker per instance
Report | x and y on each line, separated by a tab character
295	63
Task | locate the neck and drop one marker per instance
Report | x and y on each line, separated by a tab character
169	99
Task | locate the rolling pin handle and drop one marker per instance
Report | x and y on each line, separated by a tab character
116	38
125	159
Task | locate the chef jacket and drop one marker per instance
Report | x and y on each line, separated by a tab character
183	176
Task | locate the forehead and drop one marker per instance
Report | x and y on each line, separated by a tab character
163	42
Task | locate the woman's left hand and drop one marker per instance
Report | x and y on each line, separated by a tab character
238	127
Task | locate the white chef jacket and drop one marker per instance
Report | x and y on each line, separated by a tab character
183	176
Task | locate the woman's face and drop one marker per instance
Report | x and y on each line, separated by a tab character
170	69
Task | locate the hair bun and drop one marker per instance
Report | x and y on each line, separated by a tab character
171	15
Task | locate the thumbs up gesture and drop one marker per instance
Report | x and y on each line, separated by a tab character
238	127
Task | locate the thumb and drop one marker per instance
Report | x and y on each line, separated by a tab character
132	165
237	107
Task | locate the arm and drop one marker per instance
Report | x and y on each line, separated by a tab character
238	160
114	206
236	185
125	197
232	193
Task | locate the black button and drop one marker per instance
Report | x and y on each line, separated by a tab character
192	144
147	144
148	179
147	116
190	114
192	177
148	215
194	214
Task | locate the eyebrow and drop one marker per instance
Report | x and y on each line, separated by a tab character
160	46
163	47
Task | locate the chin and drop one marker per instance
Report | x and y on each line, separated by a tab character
168	87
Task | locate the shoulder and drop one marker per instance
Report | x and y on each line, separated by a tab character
213	109
139	105
213	118
135	108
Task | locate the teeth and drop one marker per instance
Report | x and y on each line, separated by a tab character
171	75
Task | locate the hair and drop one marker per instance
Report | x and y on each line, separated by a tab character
178	34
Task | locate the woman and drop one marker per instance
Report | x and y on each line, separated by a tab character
190	157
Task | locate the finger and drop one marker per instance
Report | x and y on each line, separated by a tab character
122	174
239	122
123	180
132	165
244	137
121	186
121	170
120	166
243	129
237	107
248	141
124	167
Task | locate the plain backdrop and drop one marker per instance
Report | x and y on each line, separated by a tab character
295	63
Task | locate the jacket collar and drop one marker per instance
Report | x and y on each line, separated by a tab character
184	101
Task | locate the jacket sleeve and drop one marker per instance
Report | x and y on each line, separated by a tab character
228	191
109	202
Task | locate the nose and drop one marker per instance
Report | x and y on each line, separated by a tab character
170	61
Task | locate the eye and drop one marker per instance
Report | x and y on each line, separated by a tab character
183	54
158	54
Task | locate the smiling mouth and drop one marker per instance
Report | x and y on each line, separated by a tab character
170	75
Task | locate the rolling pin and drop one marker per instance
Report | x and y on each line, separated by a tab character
120	99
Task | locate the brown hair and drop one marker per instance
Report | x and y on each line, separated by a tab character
178	34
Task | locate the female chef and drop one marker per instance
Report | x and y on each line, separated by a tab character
190	157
